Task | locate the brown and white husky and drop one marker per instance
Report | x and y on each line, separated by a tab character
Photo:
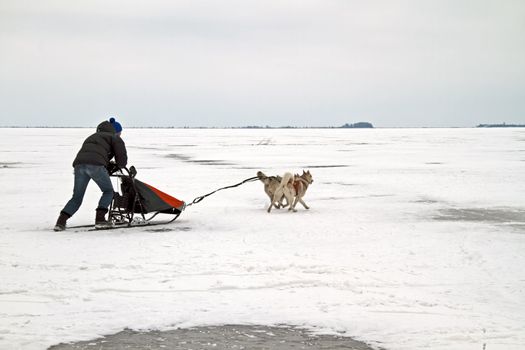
300	185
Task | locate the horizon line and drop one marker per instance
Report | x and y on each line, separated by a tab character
270	127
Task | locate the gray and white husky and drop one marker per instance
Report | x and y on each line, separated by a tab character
271	183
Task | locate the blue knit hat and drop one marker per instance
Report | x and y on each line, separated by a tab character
116	125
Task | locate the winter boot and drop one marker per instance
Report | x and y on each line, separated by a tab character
61	222
100	220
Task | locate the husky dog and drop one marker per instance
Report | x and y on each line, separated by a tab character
289	188
300	185
285	190
271	183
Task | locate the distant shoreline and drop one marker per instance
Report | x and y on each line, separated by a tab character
359	125
243	128
274	127
203	127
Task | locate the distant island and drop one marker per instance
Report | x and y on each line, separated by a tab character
504	125
360	125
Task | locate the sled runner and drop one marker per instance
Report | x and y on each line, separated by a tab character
136	203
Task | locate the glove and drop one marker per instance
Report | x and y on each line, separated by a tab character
112	168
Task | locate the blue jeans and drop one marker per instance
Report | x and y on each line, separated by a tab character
84	173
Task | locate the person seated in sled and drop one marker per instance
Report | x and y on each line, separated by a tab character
91	163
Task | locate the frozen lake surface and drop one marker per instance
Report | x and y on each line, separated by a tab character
414	239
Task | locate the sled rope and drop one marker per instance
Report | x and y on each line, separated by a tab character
200	198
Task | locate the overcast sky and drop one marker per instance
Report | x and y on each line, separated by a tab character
262	62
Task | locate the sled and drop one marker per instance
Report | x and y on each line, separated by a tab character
136	203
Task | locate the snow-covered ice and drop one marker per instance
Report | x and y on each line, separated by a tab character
415	238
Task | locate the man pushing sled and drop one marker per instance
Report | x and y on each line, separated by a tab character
91	163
